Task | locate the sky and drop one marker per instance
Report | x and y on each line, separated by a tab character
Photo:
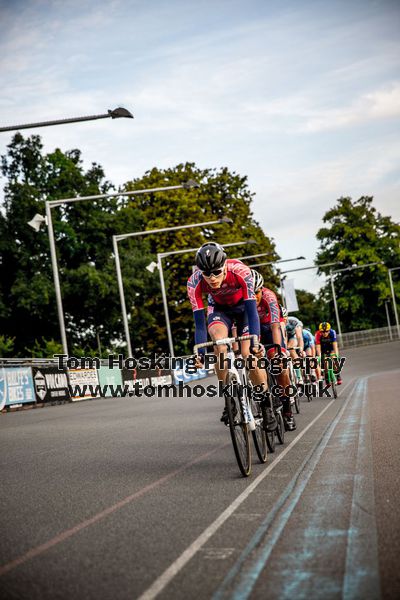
302	96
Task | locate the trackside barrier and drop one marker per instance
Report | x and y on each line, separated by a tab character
180	375
16	387
86	380
145	377
51	385
367	337
110	377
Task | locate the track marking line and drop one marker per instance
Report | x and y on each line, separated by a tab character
164	579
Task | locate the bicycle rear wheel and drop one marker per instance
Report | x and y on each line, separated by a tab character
270	435
259	437
280	430
238	428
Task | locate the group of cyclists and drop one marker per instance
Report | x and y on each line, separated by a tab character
238	303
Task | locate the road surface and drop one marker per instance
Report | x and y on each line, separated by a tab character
140	498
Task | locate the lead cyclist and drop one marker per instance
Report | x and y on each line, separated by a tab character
229	284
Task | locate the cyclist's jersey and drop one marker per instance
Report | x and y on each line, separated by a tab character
236	292
308	339
268	309
236	287
326	343
291	325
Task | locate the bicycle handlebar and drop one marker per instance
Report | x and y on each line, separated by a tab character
227	341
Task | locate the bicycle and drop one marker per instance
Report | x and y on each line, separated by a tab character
329	374
243	414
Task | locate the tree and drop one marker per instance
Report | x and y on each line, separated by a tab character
358	234
83	233
221	193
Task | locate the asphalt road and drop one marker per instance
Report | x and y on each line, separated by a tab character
141	498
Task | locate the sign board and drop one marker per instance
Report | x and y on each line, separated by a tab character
16	386
84	384
51	384
290	295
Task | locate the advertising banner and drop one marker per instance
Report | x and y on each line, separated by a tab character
51	384
16	386
290	295
145	377
84	384
182	375
110	377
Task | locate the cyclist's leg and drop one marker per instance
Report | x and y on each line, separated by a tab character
257	375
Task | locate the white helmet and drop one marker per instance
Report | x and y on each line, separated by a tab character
258	280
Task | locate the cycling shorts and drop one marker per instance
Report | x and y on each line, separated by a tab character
266	336
229	316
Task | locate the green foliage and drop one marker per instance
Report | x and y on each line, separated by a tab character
44	349
221	193
6	346
83	233
358	234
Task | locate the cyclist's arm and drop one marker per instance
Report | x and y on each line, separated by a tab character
335	348
196	299
252	316
299	336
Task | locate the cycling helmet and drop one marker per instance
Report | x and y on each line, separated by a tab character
284	312
210	256
258	280
324	326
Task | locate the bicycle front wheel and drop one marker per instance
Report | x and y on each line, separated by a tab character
259	437
238	428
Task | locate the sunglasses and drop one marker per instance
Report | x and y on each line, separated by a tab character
216	272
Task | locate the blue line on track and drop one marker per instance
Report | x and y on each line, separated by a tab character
247	569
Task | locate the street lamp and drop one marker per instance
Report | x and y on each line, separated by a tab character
332	273
118	238
274	262
117	113
38	220
396	316
162	255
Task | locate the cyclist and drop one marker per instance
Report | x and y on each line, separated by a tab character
229	286
326	344
294	330
309	349
271	318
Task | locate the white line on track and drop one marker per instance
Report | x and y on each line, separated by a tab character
164	579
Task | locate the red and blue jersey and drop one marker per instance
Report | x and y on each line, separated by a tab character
326	343
236	287
268	308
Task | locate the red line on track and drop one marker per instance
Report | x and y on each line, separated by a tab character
64	535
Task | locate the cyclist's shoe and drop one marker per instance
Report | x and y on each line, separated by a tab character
270	422
313	379
339	380
276	403
290	423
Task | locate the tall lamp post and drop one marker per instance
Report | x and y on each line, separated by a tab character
396	316
118	238
162	255
38	219
332	273
117	113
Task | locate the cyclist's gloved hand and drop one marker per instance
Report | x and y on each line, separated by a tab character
199	364
258	352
